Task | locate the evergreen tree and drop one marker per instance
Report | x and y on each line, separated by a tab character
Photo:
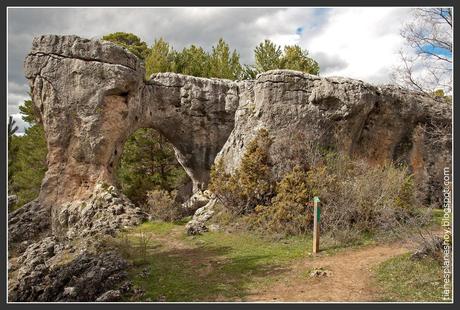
267	56
224	64
148	162
12	150
192	61
27	161
12	128
160	58
294	58
130	41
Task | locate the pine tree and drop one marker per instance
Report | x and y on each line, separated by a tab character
148	162
130	41
160	58
192	60
223	64
27	159
267	56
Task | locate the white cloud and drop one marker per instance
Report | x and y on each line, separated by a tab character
20	123
354	42
367	39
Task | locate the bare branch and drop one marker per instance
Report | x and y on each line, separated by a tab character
429	34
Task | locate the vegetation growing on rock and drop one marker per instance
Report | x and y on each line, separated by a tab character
130	41
251	184
352	204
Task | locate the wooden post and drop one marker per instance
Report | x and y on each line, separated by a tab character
316	218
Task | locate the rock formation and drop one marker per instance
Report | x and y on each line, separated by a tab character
378	124
91	96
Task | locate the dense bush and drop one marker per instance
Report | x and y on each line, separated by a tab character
288	212
252	183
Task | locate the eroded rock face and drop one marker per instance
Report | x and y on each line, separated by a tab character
28	223
92	96
45	275
352	117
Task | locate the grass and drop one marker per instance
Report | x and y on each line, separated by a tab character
404	279
268	251
438	215
156	227
215	266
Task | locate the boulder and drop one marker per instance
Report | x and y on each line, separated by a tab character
197	224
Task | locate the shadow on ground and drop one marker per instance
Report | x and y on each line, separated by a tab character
200	274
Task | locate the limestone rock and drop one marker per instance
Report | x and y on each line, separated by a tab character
55	266
355	118
105	212
91	96
49	277
28	223
197	224
197	200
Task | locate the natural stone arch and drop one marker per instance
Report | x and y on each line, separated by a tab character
92	96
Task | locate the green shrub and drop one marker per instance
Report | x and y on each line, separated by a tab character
288	212
252	183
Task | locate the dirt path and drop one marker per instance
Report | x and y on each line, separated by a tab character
351	278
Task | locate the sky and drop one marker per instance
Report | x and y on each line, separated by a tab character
361	43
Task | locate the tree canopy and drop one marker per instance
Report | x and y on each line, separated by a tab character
130	41
27	157
219	62
269	56
161	58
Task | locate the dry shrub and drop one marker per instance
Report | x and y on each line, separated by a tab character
144	240
364	198
356	199
163	205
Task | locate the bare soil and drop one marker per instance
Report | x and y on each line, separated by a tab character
351	278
